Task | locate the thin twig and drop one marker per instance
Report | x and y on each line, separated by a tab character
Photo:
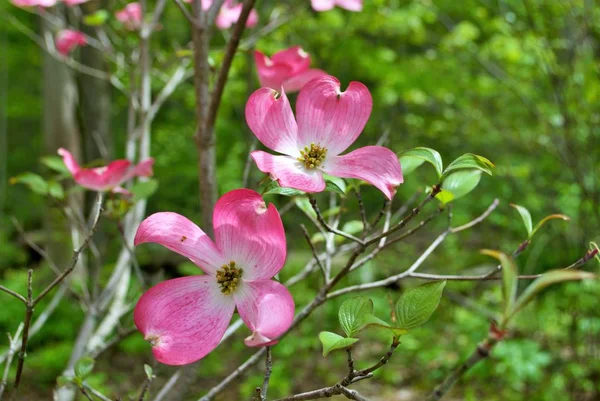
321	220
352	394
12	344
268	370
314	251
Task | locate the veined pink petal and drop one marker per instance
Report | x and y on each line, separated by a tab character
177	233
113	174
322	5
297	82
184	319
289	172
250	233
329	117
69	161
267	308
270	74
67	39
295	57
271	119
377	165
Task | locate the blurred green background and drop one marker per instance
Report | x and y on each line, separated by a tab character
516	81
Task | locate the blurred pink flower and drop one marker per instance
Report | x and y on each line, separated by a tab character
130	16
34	3
326	5
67	39
329	121
288	69
107	178
229	13
185	318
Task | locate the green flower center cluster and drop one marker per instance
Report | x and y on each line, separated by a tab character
312	156
228	277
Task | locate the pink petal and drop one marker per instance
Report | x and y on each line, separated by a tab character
230	13
322	5
289	172
377	165
250	233
350	5
329	117
113	174
71	3
295	57
297	82
67	39
267	308
177	233
130	16
252	19
270	74
69	161
271	119
184	318
143	169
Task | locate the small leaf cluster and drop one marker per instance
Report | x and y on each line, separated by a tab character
414	307
457	180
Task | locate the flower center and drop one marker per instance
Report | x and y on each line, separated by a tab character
228	277
312	156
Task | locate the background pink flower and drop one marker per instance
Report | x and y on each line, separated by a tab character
130	16
288	69
105	178
326	5
229	13
34	3
185	318
72	3
329	121
67	39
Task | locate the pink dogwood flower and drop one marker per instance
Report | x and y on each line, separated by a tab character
72	3
67	40
34	3
130	16
288	69
328	122
326	5
229	13
185	318
107	178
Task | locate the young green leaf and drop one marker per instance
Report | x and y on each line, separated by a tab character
273	188
63	380
416	305
547	218
55	190
55	163
149	371
338	182
469	161
549	278
303	204
373	321
332	341
526	217
96	19
84	367
413	158
510	279
34	181
458	184
352	313
144	190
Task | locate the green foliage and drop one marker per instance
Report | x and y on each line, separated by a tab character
413	158
332	342
416	305
84	367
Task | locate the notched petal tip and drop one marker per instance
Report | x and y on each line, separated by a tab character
256	339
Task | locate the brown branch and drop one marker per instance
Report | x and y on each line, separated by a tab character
268	370
25	338
321	220
314	251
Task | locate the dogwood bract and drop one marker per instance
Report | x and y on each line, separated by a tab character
185	318
326	5
68	39
288	68
229	13
329	121
130	16
107	178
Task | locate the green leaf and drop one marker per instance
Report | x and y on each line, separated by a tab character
373	321
84	367
458	184
337	184
56	190
416	305
303	204
510	279
332	341
96	19
55	163
273	188
469	161
526	216
63	381
34	181
549	278
149	371
352	312
409	159
547	218
144	189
